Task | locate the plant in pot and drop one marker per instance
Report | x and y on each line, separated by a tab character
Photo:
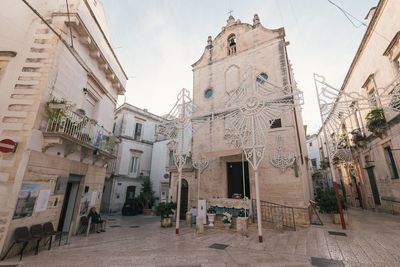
326	202
376	122
165	210
211	212
358	138
241	221
227	219
146	196
57	103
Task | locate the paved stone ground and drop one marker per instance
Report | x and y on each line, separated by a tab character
373	239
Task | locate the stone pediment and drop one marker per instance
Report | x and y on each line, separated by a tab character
247	37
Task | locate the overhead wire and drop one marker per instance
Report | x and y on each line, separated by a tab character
350	18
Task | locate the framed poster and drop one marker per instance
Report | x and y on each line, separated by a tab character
26	200
43	200
61	185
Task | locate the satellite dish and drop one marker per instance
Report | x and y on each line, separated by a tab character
166	176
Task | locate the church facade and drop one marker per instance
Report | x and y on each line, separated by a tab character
240	52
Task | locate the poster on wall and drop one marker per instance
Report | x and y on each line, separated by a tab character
43	200
26	200
85	203
61	185
93	199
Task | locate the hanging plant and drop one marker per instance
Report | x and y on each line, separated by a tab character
57	103
376	122
358	138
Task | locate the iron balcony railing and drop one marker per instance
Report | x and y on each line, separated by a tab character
276	214
82	129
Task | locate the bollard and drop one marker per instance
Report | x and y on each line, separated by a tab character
88	226
189	219
199	224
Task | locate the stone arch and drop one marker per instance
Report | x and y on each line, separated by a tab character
232	78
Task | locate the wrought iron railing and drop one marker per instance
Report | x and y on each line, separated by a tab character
276	214
81	128
111	166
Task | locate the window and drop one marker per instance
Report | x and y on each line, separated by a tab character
391	162
113	131
133	170
208	93
314	162
231	44
275	123
262	78
138	131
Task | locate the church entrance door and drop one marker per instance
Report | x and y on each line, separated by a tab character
235	179
184	199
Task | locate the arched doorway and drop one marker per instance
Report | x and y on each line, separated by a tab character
184	199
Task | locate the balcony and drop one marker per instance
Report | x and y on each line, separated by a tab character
78	133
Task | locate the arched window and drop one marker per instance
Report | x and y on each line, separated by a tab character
261	78
231	44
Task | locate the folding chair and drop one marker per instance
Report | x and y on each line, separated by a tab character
38	233
21	235
48	229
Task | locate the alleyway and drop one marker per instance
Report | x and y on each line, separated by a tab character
373	239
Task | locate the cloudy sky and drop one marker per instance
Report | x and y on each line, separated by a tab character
158	40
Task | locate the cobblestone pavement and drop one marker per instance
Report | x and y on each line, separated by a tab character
373	239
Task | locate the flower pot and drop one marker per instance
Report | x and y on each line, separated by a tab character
227	225
241	224
57	106
211	219
147	212
166	222
336	218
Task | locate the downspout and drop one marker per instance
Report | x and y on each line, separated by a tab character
294	107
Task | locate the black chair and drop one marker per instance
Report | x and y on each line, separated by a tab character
49	231
21	235
38	233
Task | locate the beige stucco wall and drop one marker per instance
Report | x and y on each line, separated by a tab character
44	68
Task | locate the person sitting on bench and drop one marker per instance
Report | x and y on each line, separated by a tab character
96	219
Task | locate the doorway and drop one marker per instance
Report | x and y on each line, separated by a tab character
70	199
374	187
184	199
235	179
130	193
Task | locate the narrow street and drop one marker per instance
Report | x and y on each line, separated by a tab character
372	240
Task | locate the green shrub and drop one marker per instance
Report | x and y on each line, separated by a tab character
326	201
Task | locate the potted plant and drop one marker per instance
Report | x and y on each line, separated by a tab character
211	212
227	219
376	122
358	138
326	202
57	103
146	196
165	210
241	221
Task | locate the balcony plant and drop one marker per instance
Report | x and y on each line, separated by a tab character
55	103
165	210
358	138
211	212
376	122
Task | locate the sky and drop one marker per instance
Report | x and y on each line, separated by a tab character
158	40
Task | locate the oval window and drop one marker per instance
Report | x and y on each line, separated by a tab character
262	78
208	93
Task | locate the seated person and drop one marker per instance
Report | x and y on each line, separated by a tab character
96	219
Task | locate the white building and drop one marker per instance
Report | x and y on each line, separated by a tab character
314	154
136	129
50	55
160	169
